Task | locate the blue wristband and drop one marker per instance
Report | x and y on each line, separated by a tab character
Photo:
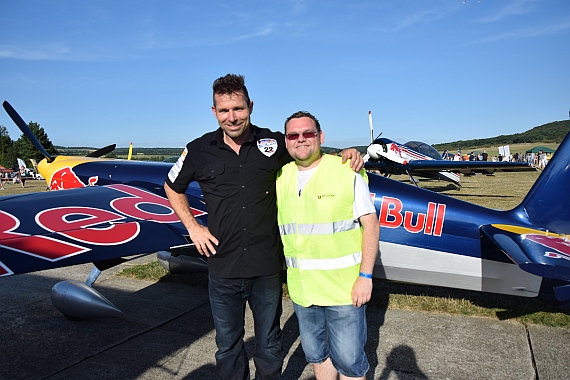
365	275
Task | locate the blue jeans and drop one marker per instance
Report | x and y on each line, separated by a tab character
228	297
338	332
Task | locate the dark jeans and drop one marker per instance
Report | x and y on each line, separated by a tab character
227	299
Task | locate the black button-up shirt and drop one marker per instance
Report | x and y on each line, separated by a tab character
239	190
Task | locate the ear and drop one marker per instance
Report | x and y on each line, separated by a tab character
322	134
250	107
214	110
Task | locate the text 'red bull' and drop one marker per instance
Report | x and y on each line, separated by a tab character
393	216
86	225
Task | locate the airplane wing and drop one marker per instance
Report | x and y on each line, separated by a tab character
468	167
465	167
541	253
60	228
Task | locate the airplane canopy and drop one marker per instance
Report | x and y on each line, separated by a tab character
424	148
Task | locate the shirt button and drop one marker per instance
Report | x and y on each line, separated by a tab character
242	186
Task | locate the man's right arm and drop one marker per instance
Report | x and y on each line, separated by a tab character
205	242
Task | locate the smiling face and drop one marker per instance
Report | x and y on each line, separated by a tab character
233	114
305	150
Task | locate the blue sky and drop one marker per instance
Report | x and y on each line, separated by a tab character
101	72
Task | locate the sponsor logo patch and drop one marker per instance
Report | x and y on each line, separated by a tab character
267	146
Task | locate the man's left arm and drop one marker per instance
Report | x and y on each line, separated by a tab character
362	288
356	160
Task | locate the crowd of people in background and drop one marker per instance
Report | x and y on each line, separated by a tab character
17	177
540	159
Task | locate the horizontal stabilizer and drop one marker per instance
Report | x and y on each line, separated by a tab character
538	252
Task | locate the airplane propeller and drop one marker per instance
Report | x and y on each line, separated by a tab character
103	151
372	128
30	135
26	130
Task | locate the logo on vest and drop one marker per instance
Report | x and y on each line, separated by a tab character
267	146
322	196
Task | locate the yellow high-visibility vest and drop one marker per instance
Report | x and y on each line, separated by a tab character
321	239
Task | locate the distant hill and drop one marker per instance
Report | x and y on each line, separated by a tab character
548	133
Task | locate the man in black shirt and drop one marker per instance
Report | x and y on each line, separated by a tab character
236	167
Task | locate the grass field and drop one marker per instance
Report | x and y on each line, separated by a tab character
501	191
32	186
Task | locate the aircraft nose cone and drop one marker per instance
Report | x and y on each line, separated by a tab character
374	150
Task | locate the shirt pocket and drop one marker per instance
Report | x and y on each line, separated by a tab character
213	170
268	164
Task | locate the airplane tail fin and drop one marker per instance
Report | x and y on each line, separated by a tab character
547	204
543	249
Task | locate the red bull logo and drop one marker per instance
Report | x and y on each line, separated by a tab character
559	244
396	149
65	178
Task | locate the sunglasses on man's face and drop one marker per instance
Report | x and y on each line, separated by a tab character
306	135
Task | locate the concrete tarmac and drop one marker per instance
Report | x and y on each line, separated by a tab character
167	333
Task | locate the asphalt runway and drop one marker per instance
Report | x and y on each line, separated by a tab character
167	333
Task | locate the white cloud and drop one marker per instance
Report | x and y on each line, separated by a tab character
50	52
529	32
422	17
515	8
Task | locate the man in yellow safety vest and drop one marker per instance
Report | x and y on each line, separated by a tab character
330	235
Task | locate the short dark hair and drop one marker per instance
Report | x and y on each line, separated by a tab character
300	114
229	84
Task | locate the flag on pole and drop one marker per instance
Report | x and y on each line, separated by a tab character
21	163
507	152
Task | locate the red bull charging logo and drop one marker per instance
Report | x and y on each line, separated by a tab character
65	178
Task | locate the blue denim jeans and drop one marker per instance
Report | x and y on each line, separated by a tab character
228	297
338	332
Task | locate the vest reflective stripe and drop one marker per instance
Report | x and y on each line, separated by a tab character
324	264
319	229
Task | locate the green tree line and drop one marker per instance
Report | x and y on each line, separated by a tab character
23	148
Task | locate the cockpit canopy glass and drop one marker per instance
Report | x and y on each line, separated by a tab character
424	148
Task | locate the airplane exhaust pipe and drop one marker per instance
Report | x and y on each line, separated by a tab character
76	300
181	263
